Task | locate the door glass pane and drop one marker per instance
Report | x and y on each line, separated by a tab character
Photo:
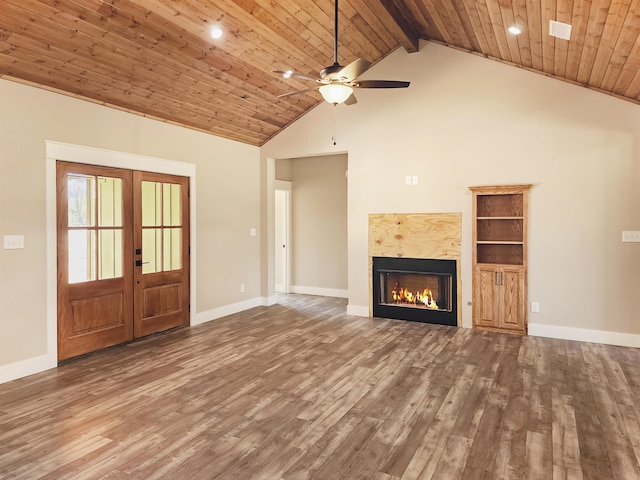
110	254
82	255
171	204
109	202
151	250
81	198
172	249
161	208
151	204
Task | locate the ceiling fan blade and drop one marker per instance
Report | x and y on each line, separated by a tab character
295	75
354	69
351	100
297	92
380	84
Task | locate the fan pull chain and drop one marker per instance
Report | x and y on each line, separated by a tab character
333	128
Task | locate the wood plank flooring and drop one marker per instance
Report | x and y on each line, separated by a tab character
300	390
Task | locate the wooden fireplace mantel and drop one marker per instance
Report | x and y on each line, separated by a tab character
416	235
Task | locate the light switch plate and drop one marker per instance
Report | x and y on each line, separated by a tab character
535	307
13	242
630	236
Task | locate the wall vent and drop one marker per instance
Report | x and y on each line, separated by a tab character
559	30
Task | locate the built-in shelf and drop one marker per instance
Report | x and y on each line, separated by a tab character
497	242
505	254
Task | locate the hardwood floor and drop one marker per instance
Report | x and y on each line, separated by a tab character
300	390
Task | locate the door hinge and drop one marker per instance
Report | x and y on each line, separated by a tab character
189	308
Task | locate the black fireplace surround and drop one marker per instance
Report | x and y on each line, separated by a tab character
415	289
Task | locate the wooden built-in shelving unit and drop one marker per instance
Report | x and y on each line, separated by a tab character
500	257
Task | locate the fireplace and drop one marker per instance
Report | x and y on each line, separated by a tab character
415	289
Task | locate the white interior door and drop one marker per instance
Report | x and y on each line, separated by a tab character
282	237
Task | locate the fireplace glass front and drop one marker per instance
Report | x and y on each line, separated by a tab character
416	290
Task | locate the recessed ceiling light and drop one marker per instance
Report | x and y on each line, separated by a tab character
216	32
287	74
514	30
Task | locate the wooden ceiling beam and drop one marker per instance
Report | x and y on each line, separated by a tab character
397	9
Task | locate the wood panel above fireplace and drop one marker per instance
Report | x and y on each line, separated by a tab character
416	235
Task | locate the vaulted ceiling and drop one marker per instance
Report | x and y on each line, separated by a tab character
157	57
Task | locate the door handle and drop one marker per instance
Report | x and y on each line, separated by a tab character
139	263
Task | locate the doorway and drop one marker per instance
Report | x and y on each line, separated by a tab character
318	224
122	254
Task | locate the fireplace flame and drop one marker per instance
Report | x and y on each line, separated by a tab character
404	296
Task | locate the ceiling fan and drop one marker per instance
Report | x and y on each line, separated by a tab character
336	83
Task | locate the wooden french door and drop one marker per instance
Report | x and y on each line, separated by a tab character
161	216
95	258
123	256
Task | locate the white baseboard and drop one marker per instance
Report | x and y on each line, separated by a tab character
268	301
203	317
28	367
584	335
358	310
322	292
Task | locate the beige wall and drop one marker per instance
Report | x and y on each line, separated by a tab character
283	169
464	121
319	223
468	121
227	189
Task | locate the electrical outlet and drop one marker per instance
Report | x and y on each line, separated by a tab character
631	236
407	180
535	307
414	180
252	232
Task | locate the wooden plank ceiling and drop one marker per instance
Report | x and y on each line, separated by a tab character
156	57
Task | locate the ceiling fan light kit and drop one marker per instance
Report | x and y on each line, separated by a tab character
336	83
335	92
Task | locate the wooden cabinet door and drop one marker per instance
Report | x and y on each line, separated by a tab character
486	306
512	305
